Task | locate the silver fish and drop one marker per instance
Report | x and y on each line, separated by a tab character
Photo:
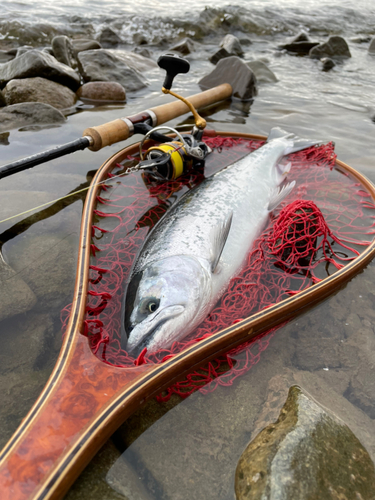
201	243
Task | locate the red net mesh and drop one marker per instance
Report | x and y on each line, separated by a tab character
298	248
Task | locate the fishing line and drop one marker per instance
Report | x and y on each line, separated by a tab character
106	181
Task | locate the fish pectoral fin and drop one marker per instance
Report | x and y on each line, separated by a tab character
219	237
279	194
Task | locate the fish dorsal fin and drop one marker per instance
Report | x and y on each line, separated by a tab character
219	236
278	194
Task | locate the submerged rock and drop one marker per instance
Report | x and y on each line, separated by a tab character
11	286
301	37
63	50
102	91
39	90
328	63
292	458
336	46
29	113
371	49
109	38
262	72
184	47
232	45
103	66
234	71
34	63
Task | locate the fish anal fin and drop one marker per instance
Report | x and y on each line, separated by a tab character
278	195
219	236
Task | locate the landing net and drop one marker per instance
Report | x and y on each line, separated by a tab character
323	224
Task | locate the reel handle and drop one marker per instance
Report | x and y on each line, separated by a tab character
173	65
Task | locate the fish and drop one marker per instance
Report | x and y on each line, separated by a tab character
201	243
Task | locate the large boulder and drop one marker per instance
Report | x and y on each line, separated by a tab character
103	66
371	49
335	47
292	458
102	91
29	113
234	71
39	90
262	72
35	63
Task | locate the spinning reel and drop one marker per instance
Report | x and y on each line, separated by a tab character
173	156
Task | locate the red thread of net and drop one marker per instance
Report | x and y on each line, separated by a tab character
280	264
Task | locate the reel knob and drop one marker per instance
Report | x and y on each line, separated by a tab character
173	65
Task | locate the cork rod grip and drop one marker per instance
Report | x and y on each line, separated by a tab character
117	130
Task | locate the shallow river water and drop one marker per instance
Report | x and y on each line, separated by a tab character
189	449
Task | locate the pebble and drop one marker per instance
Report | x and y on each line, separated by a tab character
102	91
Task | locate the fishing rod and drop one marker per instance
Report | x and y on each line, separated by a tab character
96	138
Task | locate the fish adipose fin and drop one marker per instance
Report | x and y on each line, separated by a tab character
279	194
296	143
219	237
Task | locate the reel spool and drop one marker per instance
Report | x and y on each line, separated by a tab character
173	158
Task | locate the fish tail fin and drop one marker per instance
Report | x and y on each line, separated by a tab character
295	143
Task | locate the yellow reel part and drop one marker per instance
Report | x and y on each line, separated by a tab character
175	151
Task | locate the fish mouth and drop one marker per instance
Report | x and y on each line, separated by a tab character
135	346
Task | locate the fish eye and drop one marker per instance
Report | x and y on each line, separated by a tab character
152	306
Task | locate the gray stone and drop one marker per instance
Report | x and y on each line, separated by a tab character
335	47
63	50
102	91
143	51
219	54
261	71
109	38
48	50
34	63
5	56
83	44
140	38
371	49
301	37
234	71
232	45
135	61
15	295
244	40
103	66
328	63
184	47
291	458
29	113
2	100
302	48
39	90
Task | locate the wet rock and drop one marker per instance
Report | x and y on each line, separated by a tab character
103	66
23	50
34	63
109	38
47	263
261	71
234	71
23	339
2	100
371	49
39	90
361	39
63	50
184	47
4	139
29	113
48	50
232	45
140	38
302	48
291	458
15	295
301	37
143	52
83	44
219	54
335	47
245	41
327	63
5	56
135	61
102	91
